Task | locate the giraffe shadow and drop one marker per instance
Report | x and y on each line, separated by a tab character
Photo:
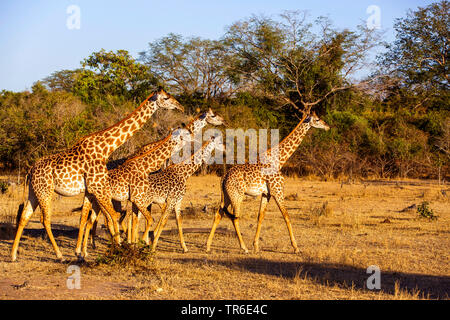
341	275
8	231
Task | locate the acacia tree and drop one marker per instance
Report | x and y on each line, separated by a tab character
286	60
189	66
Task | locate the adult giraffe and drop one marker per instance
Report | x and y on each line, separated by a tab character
82	168
262	178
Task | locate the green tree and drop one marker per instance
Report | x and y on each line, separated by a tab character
285	60
419	57
113	73
63	80
190	66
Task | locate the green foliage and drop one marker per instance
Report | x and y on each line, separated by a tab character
419	56
425	211
38	123
113	73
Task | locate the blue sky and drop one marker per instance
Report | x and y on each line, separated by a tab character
35	41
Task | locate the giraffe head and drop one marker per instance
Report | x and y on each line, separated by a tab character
181	136
217	143
315	122
213	119
166	101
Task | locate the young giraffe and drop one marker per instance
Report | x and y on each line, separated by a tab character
167	187
140	165
263	179
82	168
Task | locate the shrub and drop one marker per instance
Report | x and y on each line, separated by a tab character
3	187
127	254
425	211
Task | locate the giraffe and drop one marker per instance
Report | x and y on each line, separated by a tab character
82	168
258	179
146	160
167	187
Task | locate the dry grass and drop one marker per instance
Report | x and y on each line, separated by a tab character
341	229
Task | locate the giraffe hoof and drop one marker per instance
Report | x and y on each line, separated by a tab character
296	250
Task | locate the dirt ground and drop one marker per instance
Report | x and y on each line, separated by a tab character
341	228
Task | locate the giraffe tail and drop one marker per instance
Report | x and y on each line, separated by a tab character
21	206
223	207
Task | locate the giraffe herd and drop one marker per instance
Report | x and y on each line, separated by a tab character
141	181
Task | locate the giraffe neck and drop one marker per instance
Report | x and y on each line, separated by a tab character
289	144
153	159
108	140
196	125
189	166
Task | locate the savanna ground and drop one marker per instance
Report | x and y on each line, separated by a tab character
342	228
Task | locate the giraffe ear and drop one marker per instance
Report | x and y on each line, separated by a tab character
154	96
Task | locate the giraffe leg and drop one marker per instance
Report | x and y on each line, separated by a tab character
162	222
92	220
180	228
130	217
135	215
148	220
87	206
134	225
100	188
163	208
279	199
46	214
262	211
235	220
27	211
145	236
123	214
217	217
94	232
112	216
